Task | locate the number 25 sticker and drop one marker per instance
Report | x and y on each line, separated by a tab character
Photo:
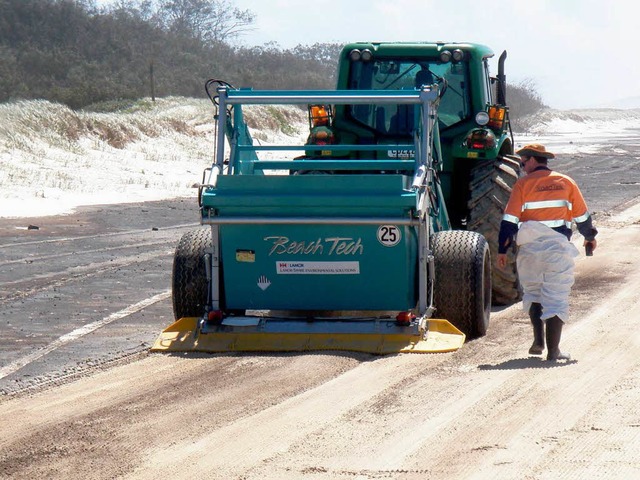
389	235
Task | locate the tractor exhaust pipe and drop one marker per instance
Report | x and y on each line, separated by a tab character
502	80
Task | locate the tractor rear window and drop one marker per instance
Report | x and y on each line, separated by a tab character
397	75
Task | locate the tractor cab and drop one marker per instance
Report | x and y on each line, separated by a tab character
450	79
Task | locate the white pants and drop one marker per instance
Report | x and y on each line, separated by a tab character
545	268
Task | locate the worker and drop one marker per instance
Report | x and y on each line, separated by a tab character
402	122
423	77
539	216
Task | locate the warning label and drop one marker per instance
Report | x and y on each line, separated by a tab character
318	268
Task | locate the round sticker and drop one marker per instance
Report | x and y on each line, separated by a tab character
389	235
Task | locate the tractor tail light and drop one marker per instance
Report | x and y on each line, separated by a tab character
322	136
481	139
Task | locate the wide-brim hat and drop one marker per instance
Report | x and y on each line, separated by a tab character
535	150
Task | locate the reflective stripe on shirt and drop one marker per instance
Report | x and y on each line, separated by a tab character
547	204
548	223
582	218
555	223
550	204
510	218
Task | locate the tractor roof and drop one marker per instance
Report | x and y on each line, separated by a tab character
419	49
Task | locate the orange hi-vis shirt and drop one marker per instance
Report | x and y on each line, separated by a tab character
548	197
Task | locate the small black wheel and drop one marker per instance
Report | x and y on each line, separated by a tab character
462	284
189	280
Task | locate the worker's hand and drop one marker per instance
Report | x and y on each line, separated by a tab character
593	244
502	260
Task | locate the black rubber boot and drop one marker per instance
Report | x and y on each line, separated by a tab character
535	312
554	332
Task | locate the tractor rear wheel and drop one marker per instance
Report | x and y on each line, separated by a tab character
491	184
462	284
190	287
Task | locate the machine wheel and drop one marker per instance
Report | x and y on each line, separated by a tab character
462	285
189	281
491	184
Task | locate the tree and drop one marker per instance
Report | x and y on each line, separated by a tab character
76	53
206	20
524	100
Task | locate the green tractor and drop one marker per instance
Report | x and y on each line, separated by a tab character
475	152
